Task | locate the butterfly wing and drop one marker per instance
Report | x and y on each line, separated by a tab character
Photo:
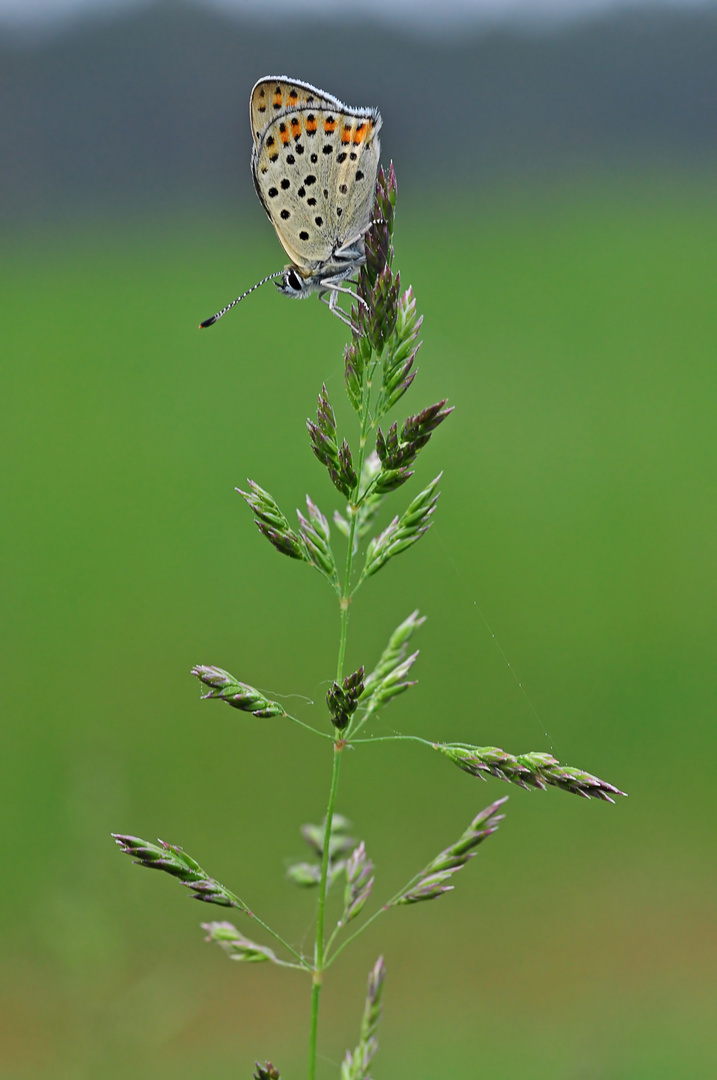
315	172
272	96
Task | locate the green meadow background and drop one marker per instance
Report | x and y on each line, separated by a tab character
570	588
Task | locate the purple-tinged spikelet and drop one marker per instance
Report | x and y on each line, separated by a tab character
433	880
175	861
224	687
534	770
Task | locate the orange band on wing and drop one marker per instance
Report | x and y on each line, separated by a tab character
330	125
360	133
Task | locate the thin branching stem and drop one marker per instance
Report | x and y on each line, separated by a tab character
301	723
365	926
356	933
303	964
393	738
329	944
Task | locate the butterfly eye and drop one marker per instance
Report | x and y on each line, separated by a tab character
293	280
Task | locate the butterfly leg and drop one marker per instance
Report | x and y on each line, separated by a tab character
332	304
334	287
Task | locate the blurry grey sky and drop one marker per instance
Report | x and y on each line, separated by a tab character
108	116
428	13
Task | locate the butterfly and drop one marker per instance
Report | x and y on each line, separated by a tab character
314	163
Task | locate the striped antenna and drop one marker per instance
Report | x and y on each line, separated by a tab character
210	322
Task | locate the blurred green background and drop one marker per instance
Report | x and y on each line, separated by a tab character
569	584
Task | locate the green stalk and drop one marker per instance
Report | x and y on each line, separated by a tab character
319	952
315	991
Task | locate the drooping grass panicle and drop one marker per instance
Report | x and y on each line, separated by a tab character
224	687
379	368
534	770
324	442
317	542
236	946
356	1064
359	883
272	523
403	531
173	860
433	880
343	699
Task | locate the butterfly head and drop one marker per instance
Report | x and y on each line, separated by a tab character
293	284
